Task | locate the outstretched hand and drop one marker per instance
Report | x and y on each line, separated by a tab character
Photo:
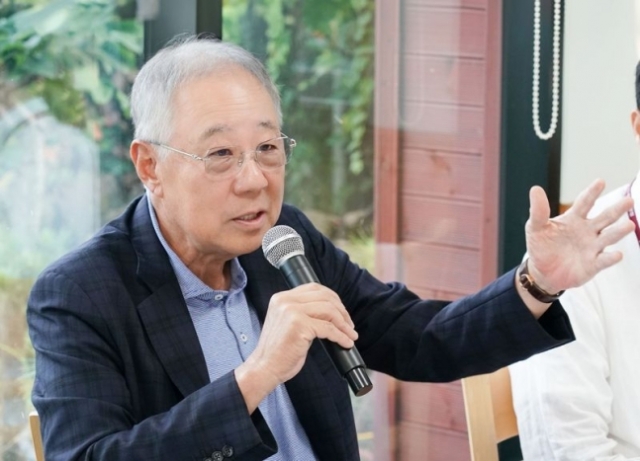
567	251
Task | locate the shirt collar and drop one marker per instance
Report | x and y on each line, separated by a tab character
190	285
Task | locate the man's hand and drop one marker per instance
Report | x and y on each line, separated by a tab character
567	251
294	319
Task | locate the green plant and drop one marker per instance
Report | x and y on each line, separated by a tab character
16	359
321	56
73	60
80	57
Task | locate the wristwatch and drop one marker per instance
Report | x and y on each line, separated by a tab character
527	282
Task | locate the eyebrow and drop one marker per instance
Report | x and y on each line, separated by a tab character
221	127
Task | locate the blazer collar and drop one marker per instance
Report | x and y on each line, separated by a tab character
154	268
167	321
164	312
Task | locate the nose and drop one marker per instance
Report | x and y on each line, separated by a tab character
250	176
251	153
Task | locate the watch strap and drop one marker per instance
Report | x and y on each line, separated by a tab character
528	283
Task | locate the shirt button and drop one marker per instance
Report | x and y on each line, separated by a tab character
218	297
227	451
243	337
217	456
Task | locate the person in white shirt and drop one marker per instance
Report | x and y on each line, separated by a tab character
581	402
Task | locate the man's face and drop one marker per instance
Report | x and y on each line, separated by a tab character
199	214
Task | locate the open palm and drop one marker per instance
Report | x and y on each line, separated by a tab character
567	251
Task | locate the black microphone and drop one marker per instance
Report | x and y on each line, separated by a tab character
283	248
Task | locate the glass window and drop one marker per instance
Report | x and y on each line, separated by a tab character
66	68
321	56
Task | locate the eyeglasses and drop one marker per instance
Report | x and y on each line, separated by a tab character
221	162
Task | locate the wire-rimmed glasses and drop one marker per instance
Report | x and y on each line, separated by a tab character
225	162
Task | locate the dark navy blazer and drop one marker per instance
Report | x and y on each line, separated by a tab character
120	374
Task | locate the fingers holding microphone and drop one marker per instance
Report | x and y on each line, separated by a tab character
328	317
298	316
284	249
294	319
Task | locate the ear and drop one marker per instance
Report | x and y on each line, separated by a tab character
635	123
145	160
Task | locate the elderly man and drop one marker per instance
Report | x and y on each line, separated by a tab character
168	336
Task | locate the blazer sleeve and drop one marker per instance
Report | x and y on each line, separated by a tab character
429	340
86	409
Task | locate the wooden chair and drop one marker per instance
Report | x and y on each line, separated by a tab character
34	424
491	419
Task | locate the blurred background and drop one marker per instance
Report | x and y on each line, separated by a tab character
415	149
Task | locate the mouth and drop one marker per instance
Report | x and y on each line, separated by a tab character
251	217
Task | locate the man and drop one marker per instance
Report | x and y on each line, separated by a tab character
168	336
582	402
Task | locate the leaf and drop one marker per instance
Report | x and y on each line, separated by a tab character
45	19
102	92
131	40
85	77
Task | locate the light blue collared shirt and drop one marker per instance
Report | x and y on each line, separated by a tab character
228	330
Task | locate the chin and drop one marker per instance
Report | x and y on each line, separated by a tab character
250	246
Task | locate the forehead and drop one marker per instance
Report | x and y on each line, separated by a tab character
230	100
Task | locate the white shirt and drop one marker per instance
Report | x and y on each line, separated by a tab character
581	401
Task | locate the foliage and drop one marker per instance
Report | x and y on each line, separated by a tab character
81	58
16	363
14	344
321	55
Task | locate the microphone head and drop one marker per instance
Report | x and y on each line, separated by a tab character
280	243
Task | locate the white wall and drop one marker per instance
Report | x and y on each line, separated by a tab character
600	55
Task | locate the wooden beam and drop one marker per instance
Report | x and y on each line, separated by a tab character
386	118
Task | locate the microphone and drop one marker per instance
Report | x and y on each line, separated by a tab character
283	248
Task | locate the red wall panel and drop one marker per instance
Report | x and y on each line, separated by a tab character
451	80
440	189
444	31
449	175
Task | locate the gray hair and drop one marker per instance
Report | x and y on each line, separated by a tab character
183	60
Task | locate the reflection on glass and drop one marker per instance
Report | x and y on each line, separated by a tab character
320	55
65	70
48	179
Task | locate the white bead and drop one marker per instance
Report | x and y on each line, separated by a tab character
555	86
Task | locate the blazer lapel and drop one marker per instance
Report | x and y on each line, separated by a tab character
168	324
310	389
316	406
164	312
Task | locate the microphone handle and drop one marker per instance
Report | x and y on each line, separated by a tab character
297	271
